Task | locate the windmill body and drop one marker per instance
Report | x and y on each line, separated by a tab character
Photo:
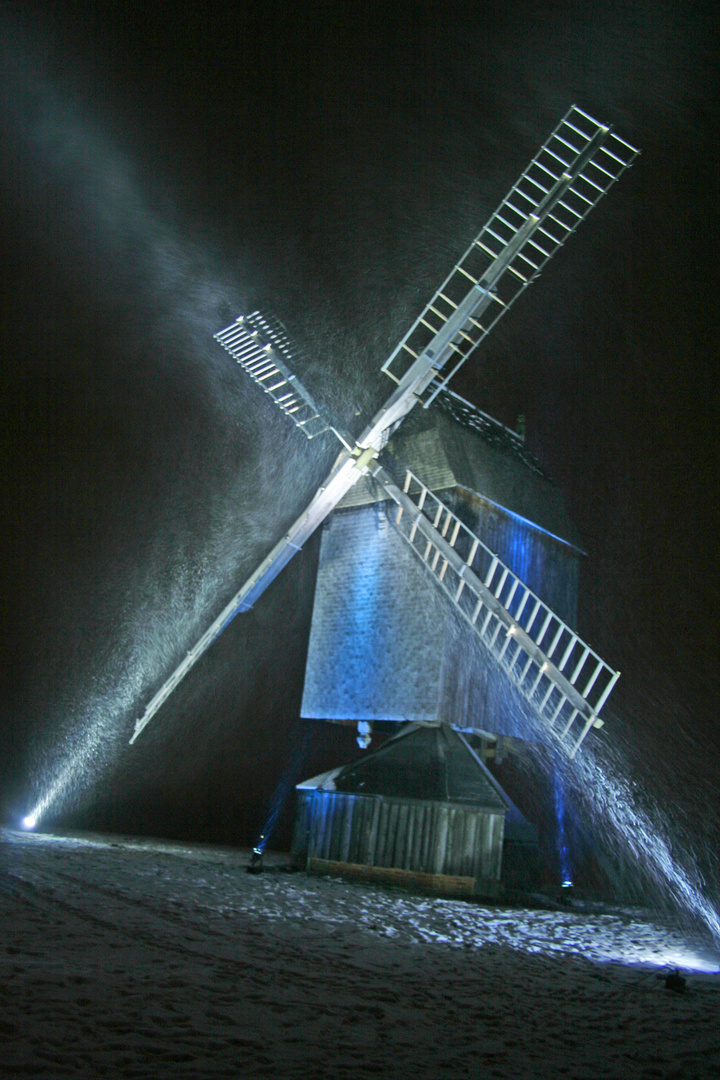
385	647
533	646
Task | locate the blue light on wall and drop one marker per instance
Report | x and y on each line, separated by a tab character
376	641
566	878
299	741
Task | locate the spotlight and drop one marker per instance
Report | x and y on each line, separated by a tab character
567	884
675	982
255	864
364	735
29	822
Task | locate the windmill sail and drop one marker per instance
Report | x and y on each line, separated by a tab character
563	679
546	213
577	165
262	348
347	470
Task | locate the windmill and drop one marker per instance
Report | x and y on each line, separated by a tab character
563	680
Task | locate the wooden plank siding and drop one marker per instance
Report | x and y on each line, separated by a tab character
412	835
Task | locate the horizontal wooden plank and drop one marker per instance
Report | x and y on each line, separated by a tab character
443	884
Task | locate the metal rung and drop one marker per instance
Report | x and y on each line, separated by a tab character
428	325
604	171
521	193
578	131
464	271
549	235
244	348
544	190
494	234
507	223
447	300
503	579
594	677
614	156
546	623
544	168
580	664
545	254
555	640
587	180
520	255
586	116
538	604
566	143
557	157
258	366
570	209
519	213
583	197
566	655
486	248
255	360
567	229
523	602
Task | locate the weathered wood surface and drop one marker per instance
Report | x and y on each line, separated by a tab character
443	884
410	835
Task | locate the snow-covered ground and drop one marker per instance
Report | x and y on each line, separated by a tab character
132	958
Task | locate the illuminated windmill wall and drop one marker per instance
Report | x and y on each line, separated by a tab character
382	645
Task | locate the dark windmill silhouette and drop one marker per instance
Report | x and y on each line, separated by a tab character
452	496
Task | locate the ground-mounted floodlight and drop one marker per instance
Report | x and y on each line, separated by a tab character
255	865
675	982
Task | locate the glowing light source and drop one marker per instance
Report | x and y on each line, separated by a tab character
677	959
256	859
29	822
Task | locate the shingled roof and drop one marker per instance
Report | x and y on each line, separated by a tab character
453	444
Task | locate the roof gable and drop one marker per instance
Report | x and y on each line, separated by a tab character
428	761
455	445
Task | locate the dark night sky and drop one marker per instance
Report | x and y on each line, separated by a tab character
160	173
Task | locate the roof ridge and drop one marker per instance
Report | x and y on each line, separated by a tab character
494	432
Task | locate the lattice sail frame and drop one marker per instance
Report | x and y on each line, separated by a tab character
261	346
577	165
563	679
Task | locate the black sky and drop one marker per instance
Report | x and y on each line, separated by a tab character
161	172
